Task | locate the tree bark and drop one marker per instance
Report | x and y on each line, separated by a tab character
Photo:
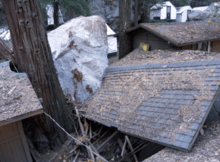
5	50
56	14
125	19
33	56
136	12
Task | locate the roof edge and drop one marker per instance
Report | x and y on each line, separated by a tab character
21	117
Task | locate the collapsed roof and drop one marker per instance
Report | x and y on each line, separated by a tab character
166	103
206	148
181	34
18	99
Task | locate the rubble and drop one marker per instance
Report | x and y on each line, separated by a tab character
79	48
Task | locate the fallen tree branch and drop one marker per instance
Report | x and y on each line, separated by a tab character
5	50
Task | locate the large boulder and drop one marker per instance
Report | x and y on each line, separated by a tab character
79	48
210	14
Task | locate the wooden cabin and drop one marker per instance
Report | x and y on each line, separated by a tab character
187	36
18	101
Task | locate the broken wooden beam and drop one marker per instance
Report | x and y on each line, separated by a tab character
107	140
123	148
129	143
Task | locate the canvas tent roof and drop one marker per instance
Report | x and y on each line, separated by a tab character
183	8
206	148
18	99
181	34
166	103
161	5
109	31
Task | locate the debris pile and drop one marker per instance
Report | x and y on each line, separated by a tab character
95	142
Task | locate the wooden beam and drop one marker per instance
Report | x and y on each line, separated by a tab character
107	140
129	143
21	117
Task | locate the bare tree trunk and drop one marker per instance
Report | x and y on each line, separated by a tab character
33	56
5	51
125	23
136	12
56	14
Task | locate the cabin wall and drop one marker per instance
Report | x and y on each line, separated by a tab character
179	17
144	36
188	47
163	14
173	12
216	46
155	13
184	16
13	145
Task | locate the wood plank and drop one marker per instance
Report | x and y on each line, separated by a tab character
24	142
21	150
3	159
14	150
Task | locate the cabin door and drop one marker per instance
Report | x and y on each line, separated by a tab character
168	12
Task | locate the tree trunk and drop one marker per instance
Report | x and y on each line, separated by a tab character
33	56
56	14
5	51
125	19
136	12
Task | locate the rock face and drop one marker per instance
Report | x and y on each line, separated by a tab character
212	13
79	48
109	10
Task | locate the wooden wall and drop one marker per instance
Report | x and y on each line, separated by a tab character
13	145
155	42
216	46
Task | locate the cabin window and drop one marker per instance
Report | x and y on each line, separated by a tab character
168	12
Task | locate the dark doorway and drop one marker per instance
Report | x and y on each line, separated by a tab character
168	12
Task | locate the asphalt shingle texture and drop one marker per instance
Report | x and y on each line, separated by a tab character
165	103
183	33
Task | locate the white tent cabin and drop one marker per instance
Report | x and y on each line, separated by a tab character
163	11
112	42
50	11
182	13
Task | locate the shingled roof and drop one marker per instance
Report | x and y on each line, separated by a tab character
166	103
206	148
18	99
181	34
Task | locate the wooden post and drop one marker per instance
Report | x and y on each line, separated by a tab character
209	47
33	56
125	23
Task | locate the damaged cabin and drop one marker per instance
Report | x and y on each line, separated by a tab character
161	96
187	36
18	101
